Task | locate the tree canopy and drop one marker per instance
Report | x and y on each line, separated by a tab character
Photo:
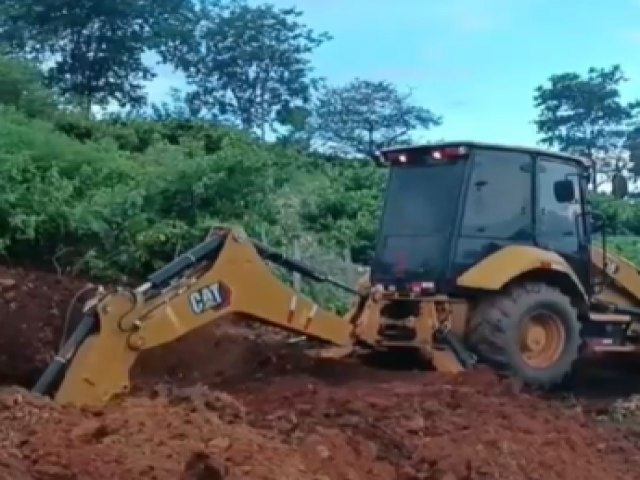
245	75
364	116
93	51
585	115
114	196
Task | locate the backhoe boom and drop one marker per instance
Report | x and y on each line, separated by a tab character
223	277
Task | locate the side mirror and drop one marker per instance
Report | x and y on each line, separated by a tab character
564	191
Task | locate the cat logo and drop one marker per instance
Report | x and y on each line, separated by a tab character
206	298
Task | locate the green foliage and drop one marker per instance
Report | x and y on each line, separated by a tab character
622	220
621	216
94	49
247	62
348	219
22	87
296	121
364	116
117	199
55	184
584	115
628	247
632	144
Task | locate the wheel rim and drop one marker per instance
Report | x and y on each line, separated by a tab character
543	339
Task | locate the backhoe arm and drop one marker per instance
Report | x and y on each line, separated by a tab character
222	277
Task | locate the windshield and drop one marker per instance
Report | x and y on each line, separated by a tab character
417	222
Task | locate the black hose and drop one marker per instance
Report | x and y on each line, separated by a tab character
207	249
297	266
53	375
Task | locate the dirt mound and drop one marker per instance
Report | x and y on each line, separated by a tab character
32	312
226	352
300	428
271	412
196	436
470	428
230	353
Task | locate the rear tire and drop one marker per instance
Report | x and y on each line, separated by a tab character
531	332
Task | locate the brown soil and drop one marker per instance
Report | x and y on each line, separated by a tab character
33	308
240	403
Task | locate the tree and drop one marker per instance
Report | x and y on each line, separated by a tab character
22	87
176	108
632	144
346	207
363	116
92	50
585	115
248	62
297	122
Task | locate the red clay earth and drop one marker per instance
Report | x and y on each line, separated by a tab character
269	412
32	314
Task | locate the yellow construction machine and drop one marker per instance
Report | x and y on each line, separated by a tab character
484	254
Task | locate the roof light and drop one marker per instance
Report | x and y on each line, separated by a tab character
421	155
449	153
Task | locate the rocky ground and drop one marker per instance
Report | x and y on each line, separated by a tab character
234	402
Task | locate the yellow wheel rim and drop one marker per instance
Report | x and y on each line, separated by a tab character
542	341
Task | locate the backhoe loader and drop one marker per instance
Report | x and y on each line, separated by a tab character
484	254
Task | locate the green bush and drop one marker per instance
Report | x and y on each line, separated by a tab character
115	200
628	247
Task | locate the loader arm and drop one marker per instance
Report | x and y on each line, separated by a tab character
225	276
622	278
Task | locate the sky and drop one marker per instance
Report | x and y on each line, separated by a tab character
474	62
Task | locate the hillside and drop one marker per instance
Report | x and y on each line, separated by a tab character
114	200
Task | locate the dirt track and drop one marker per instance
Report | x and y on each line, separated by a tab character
237	403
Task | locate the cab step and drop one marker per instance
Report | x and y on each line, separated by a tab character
610	317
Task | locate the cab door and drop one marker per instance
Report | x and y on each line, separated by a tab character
560	226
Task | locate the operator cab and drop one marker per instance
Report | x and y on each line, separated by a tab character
448	206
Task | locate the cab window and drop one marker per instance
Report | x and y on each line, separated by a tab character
499	197
557	222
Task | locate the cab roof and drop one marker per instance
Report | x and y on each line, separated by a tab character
585	162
